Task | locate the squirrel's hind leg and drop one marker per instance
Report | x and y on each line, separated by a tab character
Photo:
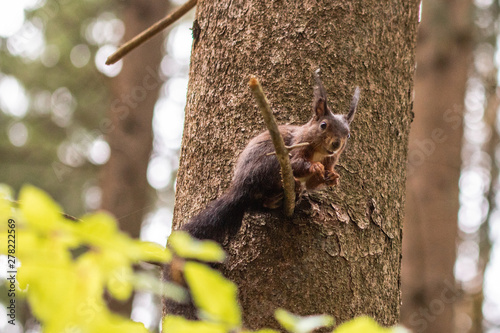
273	202
276	201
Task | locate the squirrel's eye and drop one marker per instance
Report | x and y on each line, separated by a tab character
323	125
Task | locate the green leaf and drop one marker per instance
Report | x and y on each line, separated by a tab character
39	209
363	324
297	324
119	284
188	247
148	251
176	324
66	290
151	283
215	296
98	228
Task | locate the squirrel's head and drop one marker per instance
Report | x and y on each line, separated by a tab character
332	129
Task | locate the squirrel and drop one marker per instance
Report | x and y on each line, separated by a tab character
256	183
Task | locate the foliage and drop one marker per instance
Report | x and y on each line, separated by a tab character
297	324
366	324
67	265
189	248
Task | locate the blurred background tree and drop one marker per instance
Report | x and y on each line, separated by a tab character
57	98
64	113
477	265
444	56
128	127
451	216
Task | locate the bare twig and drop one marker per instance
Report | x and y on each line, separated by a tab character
69	217
66	216
298	145
279	145
150	32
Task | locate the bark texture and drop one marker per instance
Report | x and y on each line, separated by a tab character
443	58
340	252
128	127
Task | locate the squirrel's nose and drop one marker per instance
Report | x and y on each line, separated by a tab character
336	144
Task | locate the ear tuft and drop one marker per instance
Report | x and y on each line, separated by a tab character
354	104
320	108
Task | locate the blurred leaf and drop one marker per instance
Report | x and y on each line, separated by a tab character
148	251
188	247
98	228
175	324
119	283
297	324
368	325
44	216
215	296
65	292
38	208
151	283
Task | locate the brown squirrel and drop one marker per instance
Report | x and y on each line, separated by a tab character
257	182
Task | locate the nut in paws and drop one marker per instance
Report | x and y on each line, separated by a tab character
317	168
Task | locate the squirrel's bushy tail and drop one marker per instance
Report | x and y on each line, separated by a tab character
222	215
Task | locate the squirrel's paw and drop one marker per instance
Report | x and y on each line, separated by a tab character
331	178
317	168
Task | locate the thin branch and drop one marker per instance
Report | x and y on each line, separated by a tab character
150	32
69	217
279	145
66	216
298	145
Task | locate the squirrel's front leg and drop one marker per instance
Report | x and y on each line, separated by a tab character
331	177
317	176
302	168
313	173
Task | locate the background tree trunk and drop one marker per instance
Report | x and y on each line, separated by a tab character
125	190
443	57
340	253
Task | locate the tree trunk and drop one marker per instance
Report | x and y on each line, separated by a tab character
340	253
443	58
128	129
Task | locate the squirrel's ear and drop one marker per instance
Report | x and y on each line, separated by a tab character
354	104
320	108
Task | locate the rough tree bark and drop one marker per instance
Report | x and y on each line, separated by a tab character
443	57
340	253
128	128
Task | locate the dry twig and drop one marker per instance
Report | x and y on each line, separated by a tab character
298	145
150	32
279	145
